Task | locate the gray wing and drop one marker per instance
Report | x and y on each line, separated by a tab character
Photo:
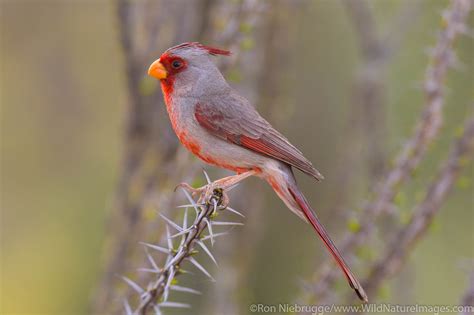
233	119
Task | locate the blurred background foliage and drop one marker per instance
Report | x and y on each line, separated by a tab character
63	100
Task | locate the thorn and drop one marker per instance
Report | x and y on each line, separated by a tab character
182	232
169	257
226	223
168	283
209	227
174	304
235	211
214	202
191	200
148	270
156	247
168	238
208	179
213	236
190	205
173	224
133	285
151	260
200	267
185	226
208	252
185	219
128	309
170	261
184	289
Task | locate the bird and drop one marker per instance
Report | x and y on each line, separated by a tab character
223	129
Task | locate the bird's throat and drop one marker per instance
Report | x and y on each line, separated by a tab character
167	86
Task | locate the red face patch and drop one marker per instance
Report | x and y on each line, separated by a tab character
173	64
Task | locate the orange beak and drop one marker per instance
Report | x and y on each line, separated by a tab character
157	70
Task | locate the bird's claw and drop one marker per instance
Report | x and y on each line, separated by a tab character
193	191
206	193
224	200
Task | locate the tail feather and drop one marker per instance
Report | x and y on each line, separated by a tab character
309	214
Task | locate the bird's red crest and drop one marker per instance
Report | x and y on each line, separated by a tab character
211	50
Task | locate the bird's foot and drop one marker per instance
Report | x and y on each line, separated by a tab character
217	188
206	192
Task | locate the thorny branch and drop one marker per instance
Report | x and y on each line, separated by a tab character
401	245
192	237
152	161
150	150
454	24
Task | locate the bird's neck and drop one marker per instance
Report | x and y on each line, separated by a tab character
195	84
167	86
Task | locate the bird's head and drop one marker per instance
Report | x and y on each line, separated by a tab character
188	68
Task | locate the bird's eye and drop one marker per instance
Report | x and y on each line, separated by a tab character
176	64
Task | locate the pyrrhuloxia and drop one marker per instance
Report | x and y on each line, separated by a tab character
223	129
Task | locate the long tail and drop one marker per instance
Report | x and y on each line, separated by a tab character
291	195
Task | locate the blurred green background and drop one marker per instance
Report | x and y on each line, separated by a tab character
63	97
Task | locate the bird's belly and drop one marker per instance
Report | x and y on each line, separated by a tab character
218	152
207	147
